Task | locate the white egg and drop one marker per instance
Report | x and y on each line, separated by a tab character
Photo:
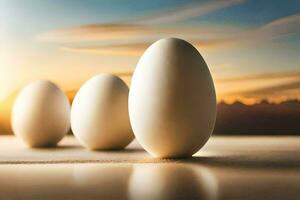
172	101
99	114
41	114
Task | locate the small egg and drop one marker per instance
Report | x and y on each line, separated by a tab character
41	114
99	114
172	101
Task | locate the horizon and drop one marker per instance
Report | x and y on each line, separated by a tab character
235	112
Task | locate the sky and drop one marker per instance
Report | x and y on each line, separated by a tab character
252	47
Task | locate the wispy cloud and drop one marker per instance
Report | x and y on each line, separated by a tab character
255	77
147	28
272	30
274	86
280	27
279	89
186	12
98	32
114	34
132	49
108	39
260	35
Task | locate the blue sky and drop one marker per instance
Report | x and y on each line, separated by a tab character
238	38
39	15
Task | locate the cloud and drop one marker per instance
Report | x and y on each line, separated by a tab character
186	12
260	35
131	38
148	26
94	32
97	32
256	77
280	27
132	49
278	86
114	34
279	89
275	29
108	39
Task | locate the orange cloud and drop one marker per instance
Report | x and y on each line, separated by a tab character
118	50
145	28
279	89
133	49
255	77
114	34
252	88
110	37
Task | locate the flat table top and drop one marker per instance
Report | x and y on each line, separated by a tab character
233	167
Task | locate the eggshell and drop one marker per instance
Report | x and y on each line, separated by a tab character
172	101
41	114
99	114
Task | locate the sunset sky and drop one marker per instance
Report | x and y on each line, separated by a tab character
252	47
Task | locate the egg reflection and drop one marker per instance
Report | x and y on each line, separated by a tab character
64	181
107	181
102	181
172	181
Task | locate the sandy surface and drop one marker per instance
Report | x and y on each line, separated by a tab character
226	168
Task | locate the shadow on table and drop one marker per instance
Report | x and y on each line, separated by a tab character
274	159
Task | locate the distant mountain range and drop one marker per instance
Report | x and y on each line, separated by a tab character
259	119
262	118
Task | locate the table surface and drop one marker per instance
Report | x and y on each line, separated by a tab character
233	167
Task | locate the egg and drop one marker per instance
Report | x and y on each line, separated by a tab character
99	114
41	114
172	101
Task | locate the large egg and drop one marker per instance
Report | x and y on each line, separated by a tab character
99	114
41	114
172	101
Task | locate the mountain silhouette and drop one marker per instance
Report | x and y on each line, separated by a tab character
261	118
